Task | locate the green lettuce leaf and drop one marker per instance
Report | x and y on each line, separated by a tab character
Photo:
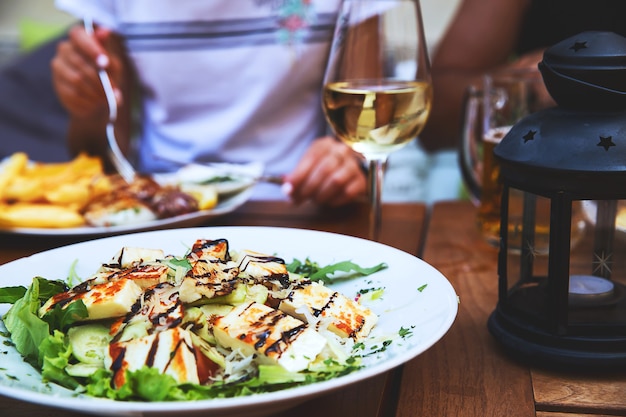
10	295
48	288
55	353
61	318
145	384
27	330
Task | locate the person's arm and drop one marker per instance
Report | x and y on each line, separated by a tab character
480	38
76	81
329	173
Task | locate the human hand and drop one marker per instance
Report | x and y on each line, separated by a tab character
329	173
75	71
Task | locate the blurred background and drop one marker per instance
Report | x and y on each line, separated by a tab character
26	24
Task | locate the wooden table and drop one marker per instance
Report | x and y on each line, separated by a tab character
465	374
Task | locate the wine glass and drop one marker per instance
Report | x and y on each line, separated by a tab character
377	87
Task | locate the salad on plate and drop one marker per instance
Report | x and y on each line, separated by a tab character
211	323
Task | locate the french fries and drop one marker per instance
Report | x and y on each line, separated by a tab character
48	195
13	166
39	215
62	195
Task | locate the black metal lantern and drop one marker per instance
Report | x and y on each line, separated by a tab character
562	259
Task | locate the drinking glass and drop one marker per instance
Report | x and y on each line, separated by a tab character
504	98
377	87
491	109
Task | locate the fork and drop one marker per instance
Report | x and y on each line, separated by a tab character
121	164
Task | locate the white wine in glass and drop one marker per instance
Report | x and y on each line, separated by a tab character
377	88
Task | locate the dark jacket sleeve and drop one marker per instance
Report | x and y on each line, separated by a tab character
32	119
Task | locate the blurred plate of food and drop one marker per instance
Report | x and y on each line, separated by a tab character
76	197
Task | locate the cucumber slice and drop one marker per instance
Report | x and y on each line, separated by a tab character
82	369
197	322
89	342
216	309
236	297
135	330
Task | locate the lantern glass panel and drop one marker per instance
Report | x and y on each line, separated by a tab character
566	262
598	270
527	242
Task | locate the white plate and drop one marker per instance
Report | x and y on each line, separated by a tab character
186	220
428	313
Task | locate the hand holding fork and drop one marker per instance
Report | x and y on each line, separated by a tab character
121	164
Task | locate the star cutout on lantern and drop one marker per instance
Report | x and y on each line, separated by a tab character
602	263
532	252
606	142
530	135
578	46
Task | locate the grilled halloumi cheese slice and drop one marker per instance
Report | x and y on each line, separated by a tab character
346	317
208	279
171	352
274	336
139	264
159	308
209	249
130	256
261	267
108	300
145	276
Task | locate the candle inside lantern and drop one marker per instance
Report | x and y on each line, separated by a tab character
589	289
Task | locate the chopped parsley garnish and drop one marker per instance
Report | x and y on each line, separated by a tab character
404	333
382	348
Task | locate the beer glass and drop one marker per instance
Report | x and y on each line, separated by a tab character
503	99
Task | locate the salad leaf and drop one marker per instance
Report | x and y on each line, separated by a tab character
73	278
148	384
99	385
315	272
178	263
48	288
27	330
55	353
62	317
10	295
275	374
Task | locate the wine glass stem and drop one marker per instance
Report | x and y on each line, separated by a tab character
375	178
